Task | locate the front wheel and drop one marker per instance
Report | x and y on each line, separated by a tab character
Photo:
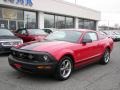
106	57
64	69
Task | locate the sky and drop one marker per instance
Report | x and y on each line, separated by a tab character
110	10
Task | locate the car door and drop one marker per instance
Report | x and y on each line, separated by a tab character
88	50
95	50
23	35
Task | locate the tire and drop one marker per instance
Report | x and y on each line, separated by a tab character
64	69
106	57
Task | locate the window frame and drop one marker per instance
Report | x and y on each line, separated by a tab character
91	32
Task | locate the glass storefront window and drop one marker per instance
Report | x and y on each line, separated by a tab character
20	14
86	24
60	22
30	20
56	21
4	24
0	12
49	21
9	13
69	22
17	18
12	25
20	24
93	25
81	23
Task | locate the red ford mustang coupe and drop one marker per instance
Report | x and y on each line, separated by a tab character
61	52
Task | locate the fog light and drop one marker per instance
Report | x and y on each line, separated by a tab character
48	67
40	67
44	67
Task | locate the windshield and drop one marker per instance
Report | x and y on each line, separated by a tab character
67	35
36	32
5	32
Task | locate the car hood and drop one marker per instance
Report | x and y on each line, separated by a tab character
47	46
5	38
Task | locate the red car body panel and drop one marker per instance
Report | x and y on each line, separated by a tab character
82	54
28	38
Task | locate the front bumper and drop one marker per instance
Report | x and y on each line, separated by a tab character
31	67
4	49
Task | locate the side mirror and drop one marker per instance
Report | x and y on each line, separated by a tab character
86	41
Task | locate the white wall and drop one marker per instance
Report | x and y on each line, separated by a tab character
76	23
59	7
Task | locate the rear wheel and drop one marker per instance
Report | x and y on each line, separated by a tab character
64	68
106	57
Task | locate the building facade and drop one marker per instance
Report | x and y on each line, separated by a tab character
31	14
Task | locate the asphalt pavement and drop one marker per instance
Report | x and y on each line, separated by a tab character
92	77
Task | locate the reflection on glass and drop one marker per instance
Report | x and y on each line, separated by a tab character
60	21
30	20
87	24
49	21
20	24
20	14
9	13
4	24
93	25
12	25
66	35
81	23
55	21
69	22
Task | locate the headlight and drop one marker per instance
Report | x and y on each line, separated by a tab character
45	58
39	58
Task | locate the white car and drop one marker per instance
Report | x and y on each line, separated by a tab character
113	34
117	35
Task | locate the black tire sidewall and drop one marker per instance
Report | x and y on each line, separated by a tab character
102	61
57	71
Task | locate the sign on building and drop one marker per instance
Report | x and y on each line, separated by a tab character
21	2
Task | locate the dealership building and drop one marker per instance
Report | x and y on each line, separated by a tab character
33	14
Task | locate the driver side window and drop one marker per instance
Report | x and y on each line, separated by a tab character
91	35
86	36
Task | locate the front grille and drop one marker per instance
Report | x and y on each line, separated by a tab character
27	57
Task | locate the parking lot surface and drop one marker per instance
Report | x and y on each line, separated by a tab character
92	77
